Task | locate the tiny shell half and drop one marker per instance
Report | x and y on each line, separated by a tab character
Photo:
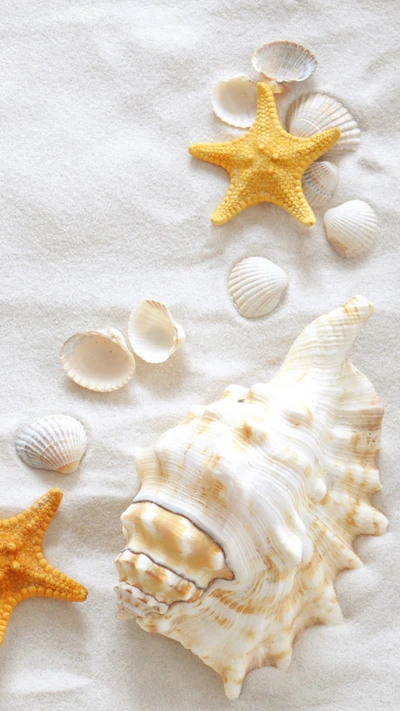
319	182
235	101
284	61
153	333
351	227
313	113
256	285
57	442
98	360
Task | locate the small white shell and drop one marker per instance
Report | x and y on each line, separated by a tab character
319	182
256	285
235	101
313	113
98	360
57	442
284	61
153	333
351	227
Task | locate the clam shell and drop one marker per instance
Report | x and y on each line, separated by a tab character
284	61
235	101
319	182
153	333
256	285
351	227
313	113
56	442
98	360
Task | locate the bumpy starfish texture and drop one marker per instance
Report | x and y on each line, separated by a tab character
24	571
266	164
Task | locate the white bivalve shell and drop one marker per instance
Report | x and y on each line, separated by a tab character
248	509
56	442
319	182
313	113
98	360
351	227
256	286
235	101
153	333
284	62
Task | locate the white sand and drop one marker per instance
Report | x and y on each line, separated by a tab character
101	206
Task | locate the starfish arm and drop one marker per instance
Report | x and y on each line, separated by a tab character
292	200
267	112
233	202
320	143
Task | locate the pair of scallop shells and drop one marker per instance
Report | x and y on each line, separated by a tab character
101	360
351	227
56	443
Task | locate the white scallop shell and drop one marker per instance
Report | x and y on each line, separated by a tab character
235	101
56	442
284	61
313	113
351	227
153	333
98	360
319	182
256	285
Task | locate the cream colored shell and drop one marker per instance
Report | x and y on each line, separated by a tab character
56	442
153	334
249	508
313	113
284	62
256	286
351	227
235	101
319	182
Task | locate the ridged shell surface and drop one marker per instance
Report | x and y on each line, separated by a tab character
98	360
153	333
235	101
248	509
284	61
313	113
351	227
256	286
319	182
56	442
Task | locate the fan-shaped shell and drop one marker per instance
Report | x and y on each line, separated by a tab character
98	360
319	182
235	101
351	227
153	333
56	442
313	113
248	509
284	61
256	285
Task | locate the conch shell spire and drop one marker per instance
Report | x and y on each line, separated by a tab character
249	508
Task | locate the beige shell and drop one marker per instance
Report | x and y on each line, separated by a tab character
319	182
256	286
284	62
248	509
153	333
56	442
98	360
312	113
235	101
351	227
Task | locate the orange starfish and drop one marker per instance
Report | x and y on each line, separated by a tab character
24	571
266	164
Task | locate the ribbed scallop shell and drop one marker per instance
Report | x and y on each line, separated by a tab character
319	182
313	113
98	360
351	227
235	101
284	61
56	442
256	285
153	333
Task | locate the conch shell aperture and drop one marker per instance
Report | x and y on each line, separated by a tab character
248	509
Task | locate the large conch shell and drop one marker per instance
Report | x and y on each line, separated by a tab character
248	509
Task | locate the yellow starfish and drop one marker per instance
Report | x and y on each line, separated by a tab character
266	164
24	572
